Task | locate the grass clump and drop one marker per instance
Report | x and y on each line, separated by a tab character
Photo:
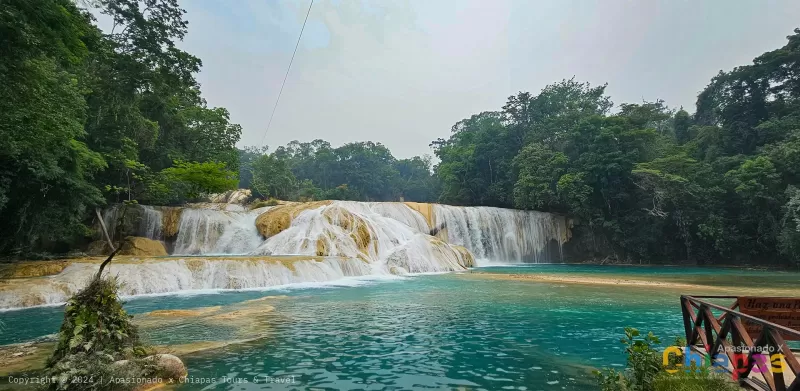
645	370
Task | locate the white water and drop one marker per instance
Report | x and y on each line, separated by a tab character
181	275
398	243
210	231
504	235
150	224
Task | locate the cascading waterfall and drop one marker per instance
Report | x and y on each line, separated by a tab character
179	275
150	221
384	234
211	231
504	235
223	246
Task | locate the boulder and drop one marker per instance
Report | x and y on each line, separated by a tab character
168	366
166	369
134	245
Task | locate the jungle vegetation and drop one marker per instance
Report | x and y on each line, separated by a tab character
91	117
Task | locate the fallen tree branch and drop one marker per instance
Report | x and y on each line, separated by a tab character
103	265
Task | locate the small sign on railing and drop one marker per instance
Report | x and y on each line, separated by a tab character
778	310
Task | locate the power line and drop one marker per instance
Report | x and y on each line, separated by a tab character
287	73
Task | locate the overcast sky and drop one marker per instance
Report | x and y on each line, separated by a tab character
403	72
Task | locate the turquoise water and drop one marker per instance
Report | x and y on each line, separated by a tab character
433	331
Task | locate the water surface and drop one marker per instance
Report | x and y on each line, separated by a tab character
423	332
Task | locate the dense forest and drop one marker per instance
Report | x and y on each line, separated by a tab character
91	117
645	181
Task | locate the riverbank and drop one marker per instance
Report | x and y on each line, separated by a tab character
734	285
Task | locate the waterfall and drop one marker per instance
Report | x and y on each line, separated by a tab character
386	234
211	231
223	246
178	275
149	224
504	235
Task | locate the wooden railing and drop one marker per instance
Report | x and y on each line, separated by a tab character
728	334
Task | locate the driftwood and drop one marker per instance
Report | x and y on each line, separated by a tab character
103	265
103	227
114	249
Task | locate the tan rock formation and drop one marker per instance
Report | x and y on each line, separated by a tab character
356	226
32	268
134	245
171	216
168	366
277	219
426	210
466	256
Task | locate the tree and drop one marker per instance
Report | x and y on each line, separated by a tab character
540	170
682	123
416	181
46	167
84	112
271	177
199	179
475	167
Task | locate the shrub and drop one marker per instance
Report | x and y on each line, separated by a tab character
95	333
645	370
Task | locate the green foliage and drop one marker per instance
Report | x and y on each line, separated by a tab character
271	177
363	171
645	370
540	171
95	333
85	114
94	321
45	167
198	179
648	182
342	192
89	117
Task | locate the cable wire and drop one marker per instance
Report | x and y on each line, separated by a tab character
287	73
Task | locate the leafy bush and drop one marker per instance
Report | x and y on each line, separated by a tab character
94	321
191	180
95	333
645	370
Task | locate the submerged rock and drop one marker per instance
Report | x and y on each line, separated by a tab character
134	245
